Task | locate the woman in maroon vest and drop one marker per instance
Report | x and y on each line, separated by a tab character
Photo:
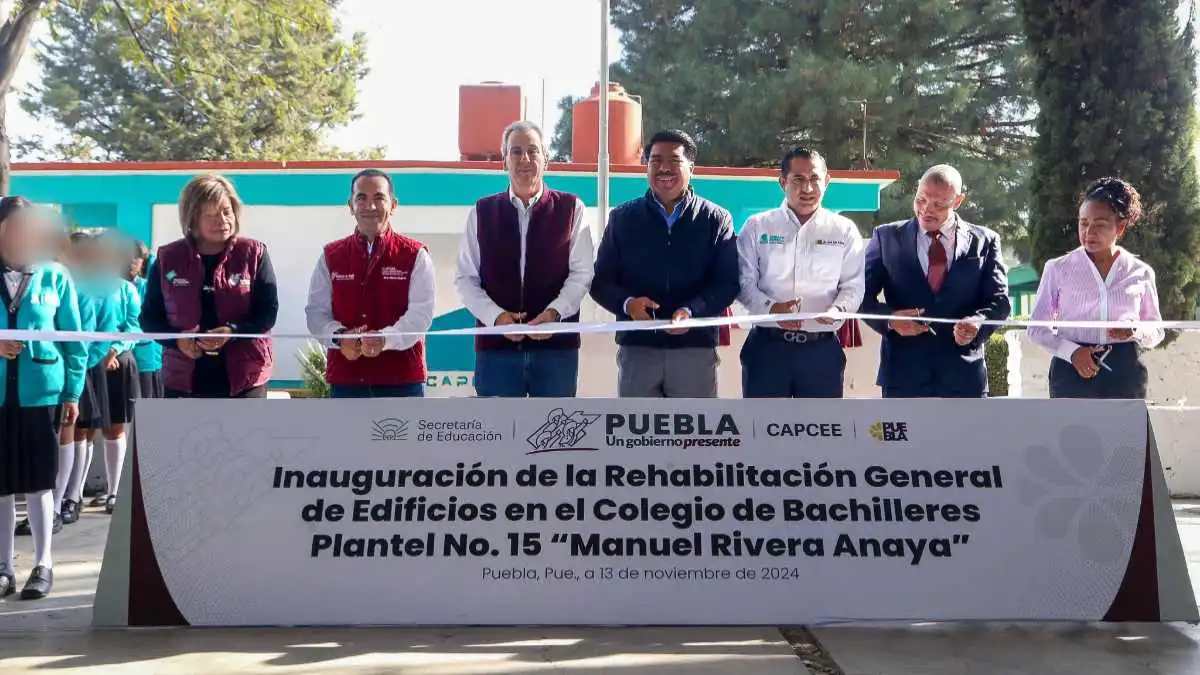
216	282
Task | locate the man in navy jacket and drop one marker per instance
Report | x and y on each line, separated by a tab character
668	254
937	265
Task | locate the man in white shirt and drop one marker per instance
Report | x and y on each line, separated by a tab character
375	280
799	257
526	257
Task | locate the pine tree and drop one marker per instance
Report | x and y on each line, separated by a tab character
753	78
206	81
1116	88
560	138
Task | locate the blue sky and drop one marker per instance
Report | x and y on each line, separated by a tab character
420	51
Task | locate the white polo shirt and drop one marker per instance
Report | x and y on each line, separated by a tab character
820	262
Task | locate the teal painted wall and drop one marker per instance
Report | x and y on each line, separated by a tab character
126	199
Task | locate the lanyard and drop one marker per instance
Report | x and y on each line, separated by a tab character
15	302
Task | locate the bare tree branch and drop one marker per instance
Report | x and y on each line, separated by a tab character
14	38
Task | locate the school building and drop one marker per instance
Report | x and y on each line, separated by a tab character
296	208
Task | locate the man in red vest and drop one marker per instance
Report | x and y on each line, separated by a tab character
375	280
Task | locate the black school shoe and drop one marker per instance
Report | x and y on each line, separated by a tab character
41	580
8	585
70	511
23	528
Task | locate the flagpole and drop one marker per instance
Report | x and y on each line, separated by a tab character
602	156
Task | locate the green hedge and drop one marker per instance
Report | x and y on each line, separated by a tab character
995	354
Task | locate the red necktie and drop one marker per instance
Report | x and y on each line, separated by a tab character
937	261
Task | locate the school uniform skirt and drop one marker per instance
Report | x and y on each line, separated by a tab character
113	394
28	443
124	388
151	384
93	405
89	407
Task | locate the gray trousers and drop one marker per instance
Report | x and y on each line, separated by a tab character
655	372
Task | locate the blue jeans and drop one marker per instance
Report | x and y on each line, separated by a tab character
416	389
520	373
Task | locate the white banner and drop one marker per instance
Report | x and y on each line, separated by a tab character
639	511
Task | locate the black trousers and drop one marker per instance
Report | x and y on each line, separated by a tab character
792	364
1127	380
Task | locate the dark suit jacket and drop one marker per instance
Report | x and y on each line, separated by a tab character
975	285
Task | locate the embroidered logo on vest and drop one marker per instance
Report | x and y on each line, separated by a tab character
394	273
341	276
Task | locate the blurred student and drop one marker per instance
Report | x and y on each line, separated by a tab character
42	384
111	364
147	353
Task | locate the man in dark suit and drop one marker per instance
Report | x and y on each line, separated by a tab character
936	265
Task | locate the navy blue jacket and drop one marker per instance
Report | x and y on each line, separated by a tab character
694	266
933	365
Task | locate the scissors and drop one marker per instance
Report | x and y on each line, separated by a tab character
928	326
1099	357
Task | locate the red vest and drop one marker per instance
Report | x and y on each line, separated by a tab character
373	291
248	362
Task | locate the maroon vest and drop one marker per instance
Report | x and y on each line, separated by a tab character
547	262
373	291
248	361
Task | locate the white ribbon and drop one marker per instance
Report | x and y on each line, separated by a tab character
598	327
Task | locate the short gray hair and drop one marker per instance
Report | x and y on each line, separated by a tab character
945	175
522	126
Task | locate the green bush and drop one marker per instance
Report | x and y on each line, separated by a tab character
312	371
995	355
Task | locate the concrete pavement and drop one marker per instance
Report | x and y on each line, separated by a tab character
54	635
995	649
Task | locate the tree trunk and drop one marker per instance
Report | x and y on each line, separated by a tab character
5	163
14	39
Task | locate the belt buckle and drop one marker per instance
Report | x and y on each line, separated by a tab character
799	337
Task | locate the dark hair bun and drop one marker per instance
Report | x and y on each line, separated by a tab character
11	204
1120	196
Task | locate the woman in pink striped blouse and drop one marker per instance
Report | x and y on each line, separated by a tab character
1099	281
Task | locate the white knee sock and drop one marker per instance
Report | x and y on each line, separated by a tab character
66	464
79	471
91	455
41	522
114	462
8	526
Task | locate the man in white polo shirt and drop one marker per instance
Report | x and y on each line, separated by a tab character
799	257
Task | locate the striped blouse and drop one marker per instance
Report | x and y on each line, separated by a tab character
1071	289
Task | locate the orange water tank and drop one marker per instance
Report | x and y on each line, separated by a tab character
484	110
624	127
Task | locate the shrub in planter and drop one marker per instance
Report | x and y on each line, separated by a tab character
995	355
